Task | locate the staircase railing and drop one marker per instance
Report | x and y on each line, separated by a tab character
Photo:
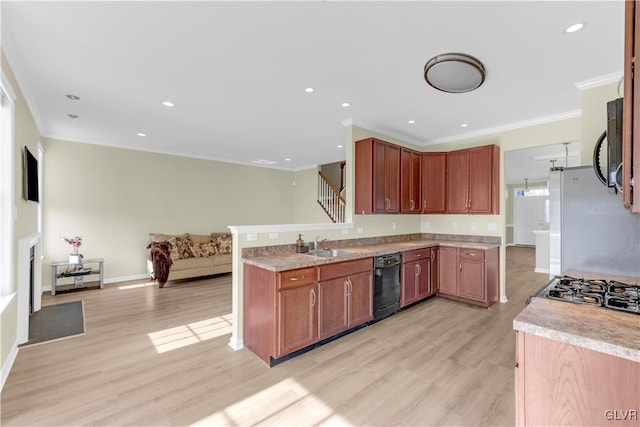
330	199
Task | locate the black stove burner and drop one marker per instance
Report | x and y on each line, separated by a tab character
614	295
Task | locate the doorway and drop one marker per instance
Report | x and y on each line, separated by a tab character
531	212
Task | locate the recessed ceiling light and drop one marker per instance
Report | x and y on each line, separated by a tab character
575	27
464	125
72	97
287	159
168	104
345	104
411	122
73	116
141	134
309	90
340	146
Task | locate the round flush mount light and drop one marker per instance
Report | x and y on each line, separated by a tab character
574	28
454	72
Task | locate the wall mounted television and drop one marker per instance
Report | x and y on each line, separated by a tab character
31	191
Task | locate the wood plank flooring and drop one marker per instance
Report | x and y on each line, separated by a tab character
156	357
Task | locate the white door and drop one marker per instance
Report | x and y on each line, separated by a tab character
529	215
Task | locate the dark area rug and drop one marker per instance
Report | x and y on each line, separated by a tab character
54	322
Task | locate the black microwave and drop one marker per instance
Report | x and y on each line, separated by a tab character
611	175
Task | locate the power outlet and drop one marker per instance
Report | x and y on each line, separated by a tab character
345	231
454	225
252	236
359	231
393	225
474	226
425	225
274	236
493	226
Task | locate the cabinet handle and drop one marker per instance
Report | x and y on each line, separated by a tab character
412	204
347	290
418	269
293	279
424	204
313	297
460	266
350	286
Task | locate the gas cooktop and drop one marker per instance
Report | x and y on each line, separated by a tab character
601	293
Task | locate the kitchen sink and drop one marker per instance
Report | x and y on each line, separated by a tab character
328	253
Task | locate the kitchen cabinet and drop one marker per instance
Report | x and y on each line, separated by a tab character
631	112
377	177
416	276
434	179
563	384
469	275
435	255
345	296
473	179
410	181
280	312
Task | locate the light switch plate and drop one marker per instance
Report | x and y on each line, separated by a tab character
252	236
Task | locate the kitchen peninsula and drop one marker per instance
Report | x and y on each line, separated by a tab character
293	302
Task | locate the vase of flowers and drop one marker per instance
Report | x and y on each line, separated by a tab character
76	242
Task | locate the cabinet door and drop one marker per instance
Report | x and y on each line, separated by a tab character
360	298
472	279
297	318
448	271
458	181
631	111
434	178
480	179
408	293
423	279
332	307
392	178
380	203
435	279
410	177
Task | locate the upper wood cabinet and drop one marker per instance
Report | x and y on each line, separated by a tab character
434	179
410	181
377	177
631	119
473	179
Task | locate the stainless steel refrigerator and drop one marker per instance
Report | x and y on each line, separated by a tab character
589	228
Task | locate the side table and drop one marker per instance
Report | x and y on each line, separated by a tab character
86	267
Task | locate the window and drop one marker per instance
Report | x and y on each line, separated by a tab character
530	192
7	187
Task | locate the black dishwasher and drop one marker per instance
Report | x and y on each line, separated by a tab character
386	285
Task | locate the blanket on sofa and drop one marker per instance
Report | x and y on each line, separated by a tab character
161	260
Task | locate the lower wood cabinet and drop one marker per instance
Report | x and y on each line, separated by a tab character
287	311
345	296
416	276
559	384
469	275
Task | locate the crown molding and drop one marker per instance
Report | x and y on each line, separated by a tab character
503	128
599	81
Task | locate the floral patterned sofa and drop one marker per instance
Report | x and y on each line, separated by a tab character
183	256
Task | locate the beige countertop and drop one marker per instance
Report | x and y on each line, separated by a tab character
612	332
294	260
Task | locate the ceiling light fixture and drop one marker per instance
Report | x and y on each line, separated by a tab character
464	125
263	162
287	159
574	28
168	104
454	72
73	116
72	97
345	104
141	134
340	146
309	90
411	122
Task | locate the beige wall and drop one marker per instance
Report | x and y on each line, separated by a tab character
305	207
114	198
26	133
594	118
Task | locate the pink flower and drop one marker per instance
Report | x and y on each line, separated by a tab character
74	241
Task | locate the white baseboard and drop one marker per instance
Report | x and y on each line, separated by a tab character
235	343
541	270
8	364
510	244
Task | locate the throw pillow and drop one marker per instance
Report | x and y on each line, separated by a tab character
224	241
196	250
209	249
183	247
174	250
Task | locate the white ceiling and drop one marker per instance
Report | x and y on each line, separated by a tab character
237	71
534	163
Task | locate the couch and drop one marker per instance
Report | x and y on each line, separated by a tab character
183	256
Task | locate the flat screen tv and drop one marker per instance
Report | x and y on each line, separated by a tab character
30	176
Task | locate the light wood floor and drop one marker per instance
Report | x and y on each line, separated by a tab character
154	357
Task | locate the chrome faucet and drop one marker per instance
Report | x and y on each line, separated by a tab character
317	242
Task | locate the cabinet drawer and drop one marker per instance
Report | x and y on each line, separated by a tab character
471	253
341	269
294	278
415	255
